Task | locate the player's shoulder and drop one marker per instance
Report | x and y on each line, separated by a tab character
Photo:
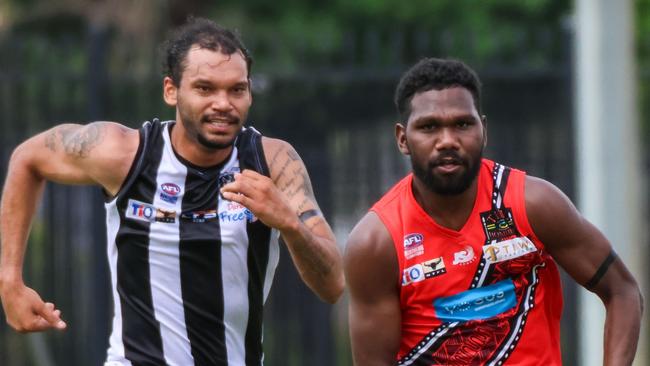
115	138
118	130
369	237
279	154
540	193
369	247
274	144
546	206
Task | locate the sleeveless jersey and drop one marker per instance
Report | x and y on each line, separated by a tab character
190	271
488	294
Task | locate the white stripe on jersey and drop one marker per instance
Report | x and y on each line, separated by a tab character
274	257
115	352
164	263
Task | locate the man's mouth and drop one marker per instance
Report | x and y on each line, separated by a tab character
448	165
219	124
220	120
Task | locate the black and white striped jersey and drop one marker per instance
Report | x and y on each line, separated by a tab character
190	270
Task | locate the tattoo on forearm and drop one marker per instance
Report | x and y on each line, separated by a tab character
601	270
316	260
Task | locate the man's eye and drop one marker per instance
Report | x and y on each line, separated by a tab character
239	89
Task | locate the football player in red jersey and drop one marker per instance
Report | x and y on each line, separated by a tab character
495	296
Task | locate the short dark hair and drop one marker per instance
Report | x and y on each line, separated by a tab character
435	73
206	34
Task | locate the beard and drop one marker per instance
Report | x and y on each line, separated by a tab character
214	145
193	127
448	185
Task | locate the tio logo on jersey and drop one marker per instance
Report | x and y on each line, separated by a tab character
145	212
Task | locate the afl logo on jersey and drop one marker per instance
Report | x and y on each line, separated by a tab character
413	245
169	192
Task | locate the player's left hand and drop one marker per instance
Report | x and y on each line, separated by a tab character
259	194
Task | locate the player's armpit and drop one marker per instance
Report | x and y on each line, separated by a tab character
371	271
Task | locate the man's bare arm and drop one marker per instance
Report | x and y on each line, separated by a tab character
584	252
71	154
314	250
286	201
371	272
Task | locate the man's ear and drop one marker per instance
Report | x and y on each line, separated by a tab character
484	121
170	91
400	136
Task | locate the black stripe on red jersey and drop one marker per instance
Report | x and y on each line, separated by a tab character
500	174
140	329
200	271
259	236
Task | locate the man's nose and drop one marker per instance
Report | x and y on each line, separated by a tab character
221	101
447	139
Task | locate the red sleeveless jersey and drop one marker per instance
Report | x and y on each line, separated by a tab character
488	294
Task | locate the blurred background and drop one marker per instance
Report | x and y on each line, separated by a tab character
324	76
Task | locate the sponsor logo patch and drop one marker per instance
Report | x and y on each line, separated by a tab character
169	192
498	224
413	274
477	304
145	212
199	216
413	245
465	256
434	267
423	271
245	214
226	177
508	249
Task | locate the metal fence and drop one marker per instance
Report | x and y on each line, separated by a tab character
338	119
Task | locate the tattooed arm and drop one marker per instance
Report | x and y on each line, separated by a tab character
98	153
286	202
584	252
